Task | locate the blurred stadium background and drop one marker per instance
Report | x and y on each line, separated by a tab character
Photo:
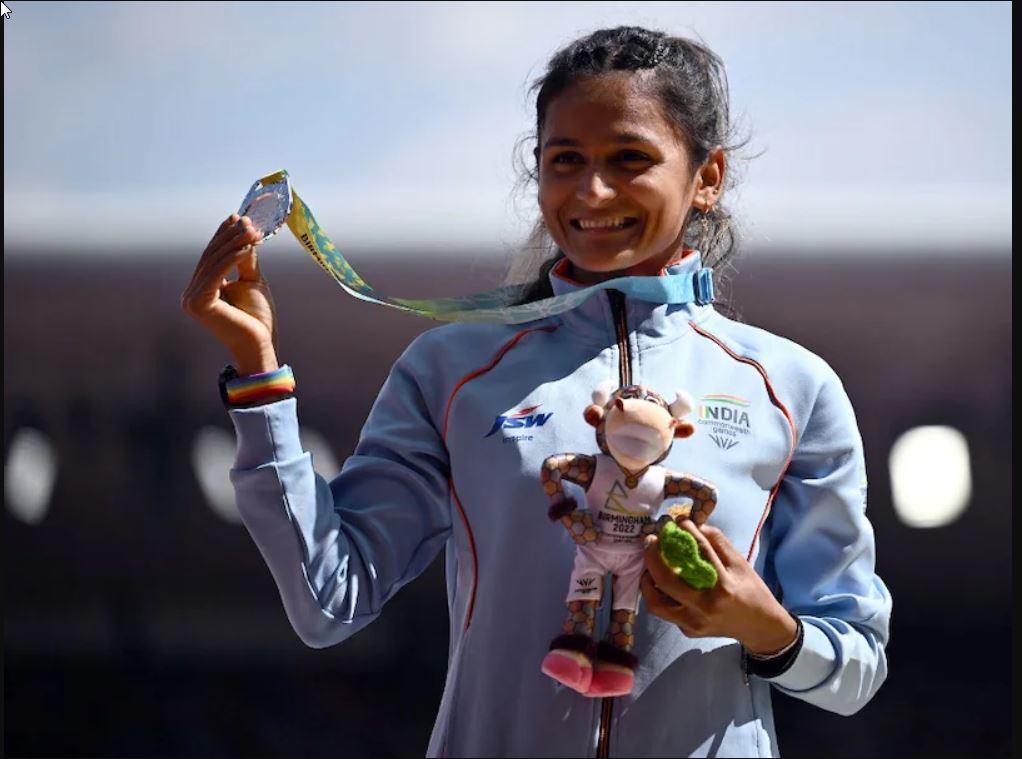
139	619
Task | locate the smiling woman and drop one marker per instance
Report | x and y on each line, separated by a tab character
632	134
630	163
616	181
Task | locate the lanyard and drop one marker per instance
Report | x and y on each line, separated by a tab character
272	202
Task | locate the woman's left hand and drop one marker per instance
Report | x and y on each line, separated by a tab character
739	606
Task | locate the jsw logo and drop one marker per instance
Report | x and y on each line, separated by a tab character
518	420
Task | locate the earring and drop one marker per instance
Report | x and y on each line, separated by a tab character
704	224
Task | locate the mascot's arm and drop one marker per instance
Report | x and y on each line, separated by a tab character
702	492
577	468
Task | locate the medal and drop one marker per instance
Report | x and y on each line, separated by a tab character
632	478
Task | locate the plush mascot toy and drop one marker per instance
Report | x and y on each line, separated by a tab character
624	490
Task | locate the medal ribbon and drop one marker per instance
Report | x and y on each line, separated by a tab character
493	306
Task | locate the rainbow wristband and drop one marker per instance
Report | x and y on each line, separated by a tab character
260	388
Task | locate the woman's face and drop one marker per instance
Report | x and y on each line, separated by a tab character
615	180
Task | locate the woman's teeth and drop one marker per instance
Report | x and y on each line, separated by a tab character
620	222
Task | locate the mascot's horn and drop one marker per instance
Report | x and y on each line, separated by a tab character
682	405
603	392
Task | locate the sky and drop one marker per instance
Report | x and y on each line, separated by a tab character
133	125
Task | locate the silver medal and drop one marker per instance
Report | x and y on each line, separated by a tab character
268	205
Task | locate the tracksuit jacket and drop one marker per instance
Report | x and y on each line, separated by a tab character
449	458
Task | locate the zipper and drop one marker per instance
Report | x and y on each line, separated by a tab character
603	739
617	307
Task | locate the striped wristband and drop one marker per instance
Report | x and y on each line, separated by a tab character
257	389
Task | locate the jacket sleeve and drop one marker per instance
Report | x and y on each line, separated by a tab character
824	562
338	551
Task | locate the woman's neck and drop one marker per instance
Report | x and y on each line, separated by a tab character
643	269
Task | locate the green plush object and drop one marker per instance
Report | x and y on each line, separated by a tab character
680	552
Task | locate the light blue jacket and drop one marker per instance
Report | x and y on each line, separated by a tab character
450	458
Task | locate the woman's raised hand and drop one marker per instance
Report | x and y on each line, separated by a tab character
238	313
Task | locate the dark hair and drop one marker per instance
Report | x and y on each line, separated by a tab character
691	83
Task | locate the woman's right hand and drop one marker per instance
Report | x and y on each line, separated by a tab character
239	313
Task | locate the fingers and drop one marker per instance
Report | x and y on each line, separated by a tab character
224	248
657	601
235	232
690	620
216	262
224	226
207	282
248	266
729	555
228	233
211	256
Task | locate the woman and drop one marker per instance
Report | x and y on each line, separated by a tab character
632	151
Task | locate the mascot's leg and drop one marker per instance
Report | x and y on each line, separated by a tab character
570	658
614	669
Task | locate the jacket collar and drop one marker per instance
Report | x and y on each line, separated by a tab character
594	319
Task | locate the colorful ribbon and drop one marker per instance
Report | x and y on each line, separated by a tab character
493	306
